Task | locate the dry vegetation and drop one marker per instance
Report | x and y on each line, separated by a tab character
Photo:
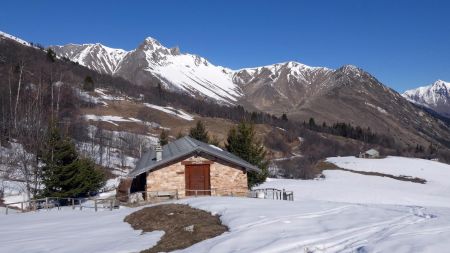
183	225
323	165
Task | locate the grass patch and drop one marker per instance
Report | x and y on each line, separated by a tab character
322	165
182	224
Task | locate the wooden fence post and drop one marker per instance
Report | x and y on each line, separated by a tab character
46	203
111	205
6	212
79	202
21	207
95	205
73	204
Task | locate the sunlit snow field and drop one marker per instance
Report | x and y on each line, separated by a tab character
345	212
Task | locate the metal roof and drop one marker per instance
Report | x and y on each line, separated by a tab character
183	147
372	152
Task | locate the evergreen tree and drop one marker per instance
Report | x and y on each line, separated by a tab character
214	141
180	135
88	84
65	174
199	132
312	123
163	138
242	142
51	55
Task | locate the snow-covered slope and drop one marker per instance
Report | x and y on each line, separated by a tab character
344	186
435	96
274	226
98	57
70	230
18	40
178	71
344	212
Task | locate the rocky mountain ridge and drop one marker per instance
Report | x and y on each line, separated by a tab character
435	96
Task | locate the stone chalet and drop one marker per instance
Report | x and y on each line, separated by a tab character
371	153
188	167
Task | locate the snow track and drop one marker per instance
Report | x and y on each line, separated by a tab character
267	226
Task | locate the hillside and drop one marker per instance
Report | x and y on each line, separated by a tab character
347	94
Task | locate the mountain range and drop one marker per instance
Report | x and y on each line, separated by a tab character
277	88
347	94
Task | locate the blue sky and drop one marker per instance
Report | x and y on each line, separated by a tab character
402	43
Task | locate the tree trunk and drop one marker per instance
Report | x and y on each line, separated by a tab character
22	65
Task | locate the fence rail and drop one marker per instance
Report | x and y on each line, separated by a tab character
272	193
146	197
50	203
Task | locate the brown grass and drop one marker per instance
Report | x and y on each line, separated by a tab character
173	219
322	165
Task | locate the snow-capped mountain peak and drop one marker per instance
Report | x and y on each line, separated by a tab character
12	37
195	75
435	96
94	56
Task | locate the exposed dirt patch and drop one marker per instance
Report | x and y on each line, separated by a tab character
182	224
321	166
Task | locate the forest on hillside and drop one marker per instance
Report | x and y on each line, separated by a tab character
38	88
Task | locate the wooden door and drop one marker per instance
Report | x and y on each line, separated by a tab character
197	178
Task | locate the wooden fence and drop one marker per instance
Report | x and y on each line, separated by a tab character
50	203
272	193
145	197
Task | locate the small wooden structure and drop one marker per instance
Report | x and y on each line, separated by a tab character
371	153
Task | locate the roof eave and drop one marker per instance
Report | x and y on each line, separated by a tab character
247	167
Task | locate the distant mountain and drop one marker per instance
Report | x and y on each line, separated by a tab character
435	96
347	94
278	88
151	62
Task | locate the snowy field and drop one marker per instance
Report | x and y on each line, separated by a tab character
343	186
72	231
271	226
345	212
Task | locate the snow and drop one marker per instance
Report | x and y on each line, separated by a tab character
107	59
21	41
272	226
109	157
110	119
70	230
215	147
343	186
85	96
193	73
431	95
344	212
185	72
172	111
103	95
376	107
11	173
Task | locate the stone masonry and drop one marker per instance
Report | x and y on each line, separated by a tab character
225	178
